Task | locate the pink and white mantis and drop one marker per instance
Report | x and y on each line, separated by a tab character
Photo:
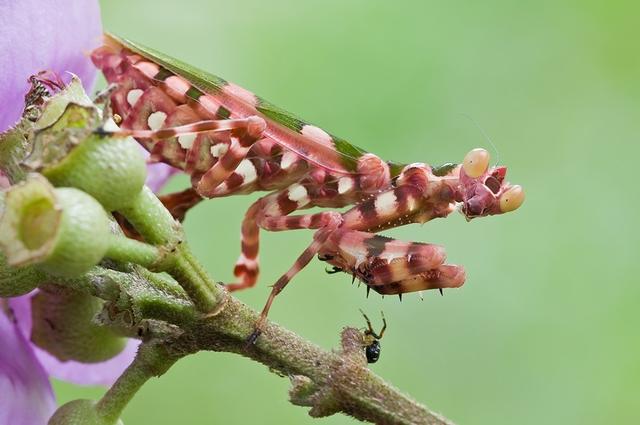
231	141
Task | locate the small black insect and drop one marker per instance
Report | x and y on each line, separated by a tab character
372	339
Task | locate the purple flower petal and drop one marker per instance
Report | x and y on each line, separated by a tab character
36	36
103	373
26	396
158	174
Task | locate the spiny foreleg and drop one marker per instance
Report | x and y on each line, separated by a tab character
387	265
390	266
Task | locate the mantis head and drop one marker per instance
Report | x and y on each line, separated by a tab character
484	188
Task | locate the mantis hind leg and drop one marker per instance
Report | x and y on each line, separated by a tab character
327	222
271	213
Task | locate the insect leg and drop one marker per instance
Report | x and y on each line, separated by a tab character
178	203
241	141
243	133
270	213
384	326
196	127
328	223
370	331
247	266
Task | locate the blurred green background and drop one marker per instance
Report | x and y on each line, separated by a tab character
546	328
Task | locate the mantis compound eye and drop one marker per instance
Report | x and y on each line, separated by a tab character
511	199
475	163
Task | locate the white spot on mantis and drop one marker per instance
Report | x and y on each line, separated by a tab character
222	188
241	93
178	84
133	96
219	149
298	194
359	259
149	69
235	145
272	209
247	170
209	103
345	184
156	120
305	221
386	203
288	159
317	134
251	264
186	140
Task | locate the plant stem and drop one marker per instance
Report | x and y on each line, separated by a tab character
130	250
152	360
327	381
147	214
204	292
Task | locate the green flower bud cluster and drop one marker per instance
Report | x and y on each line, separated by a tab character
56	226
65	230
57	222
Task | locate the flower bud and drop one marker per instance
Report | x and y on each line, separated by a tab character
111	170
64	231
79	412
16	281
67	150
63	325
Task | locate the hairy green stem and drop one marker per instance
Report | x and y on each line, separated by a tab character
326	381
133	251
147	214
151	360
204	292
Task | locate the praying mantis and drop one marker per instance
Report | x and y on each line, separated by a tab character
232	142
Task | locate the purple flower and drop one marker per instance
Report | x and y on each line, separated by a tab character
158	174
38	35
27	397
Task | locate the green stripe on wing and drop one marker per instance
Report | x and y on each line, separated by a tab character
212	84
205	81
